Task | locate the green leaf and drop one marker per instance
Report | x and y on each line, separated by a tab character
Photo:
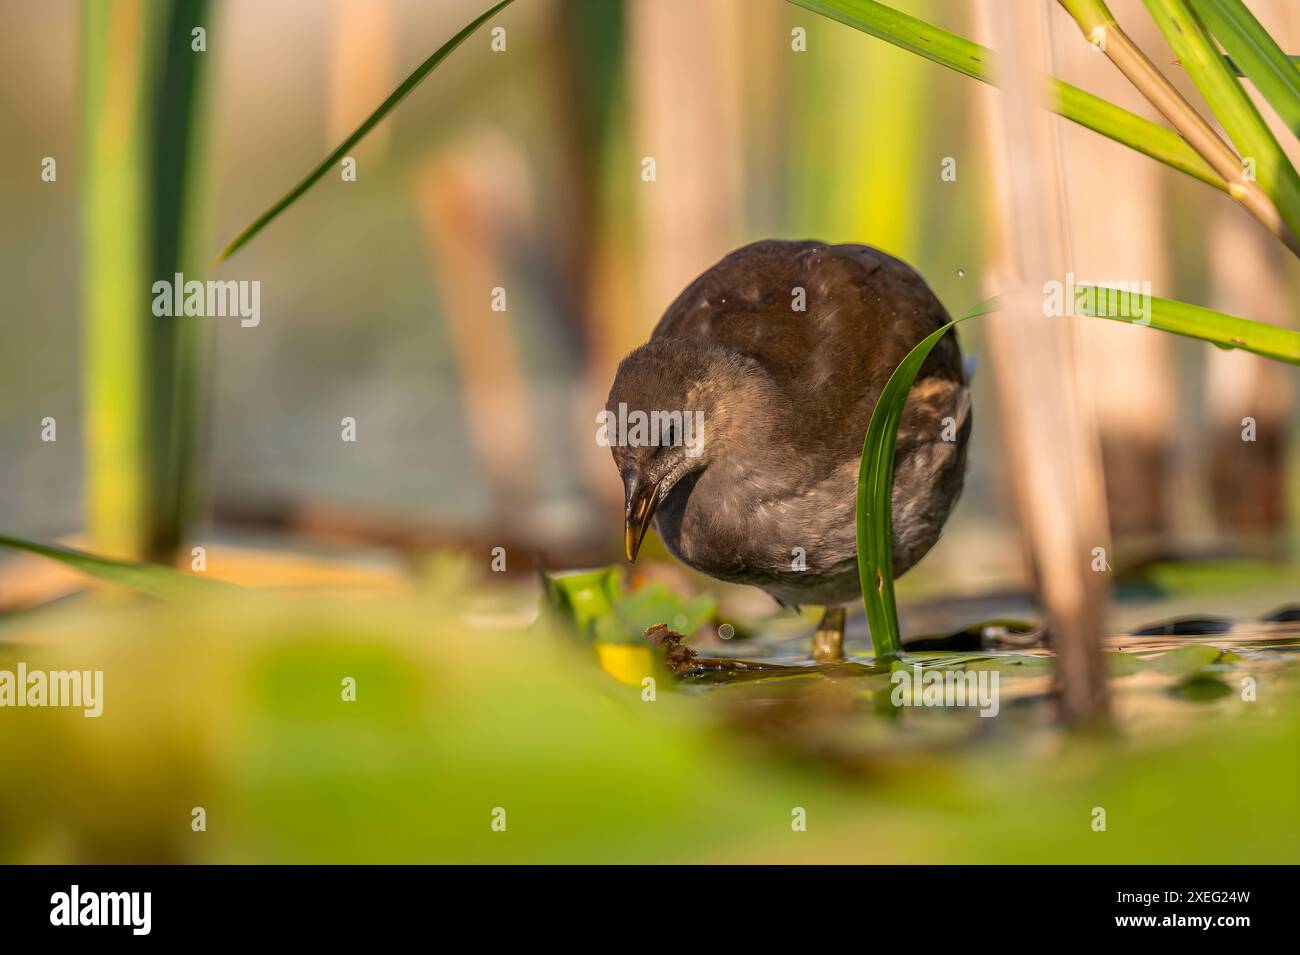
1185	319
654	603
875	494
1129	129
1200	689
150	579
1121	664
410	83
1292	58
581	600
1232	107
1013	664
1256	54
1191	660
1191	321
964	56
592	605
876	471
875	529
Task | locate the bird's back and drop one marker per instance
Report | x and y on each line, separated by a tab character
828	322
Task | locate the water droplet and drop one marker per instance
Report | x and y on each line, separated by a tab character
961	273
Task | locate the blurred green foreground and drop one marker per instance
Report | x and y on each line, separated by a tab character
236	704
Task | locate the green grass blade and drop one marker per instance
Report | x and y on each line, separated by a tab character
1151	139
410	83
150	579
875	526
178	234
1256	54
979	62
1193	321
909	33
1292	58
1232	107
876	471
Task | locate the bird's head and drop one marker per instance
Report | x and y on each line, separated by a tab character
675	405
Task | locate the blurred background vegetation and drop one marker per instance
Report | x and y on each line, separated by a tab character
474	424
522	169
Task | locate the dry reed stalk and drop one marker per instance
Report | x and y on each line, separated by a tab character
1053	451
469	200
362	71
1121	239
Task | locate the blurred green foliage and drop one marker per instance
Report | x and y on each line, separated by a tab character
237	705
593	605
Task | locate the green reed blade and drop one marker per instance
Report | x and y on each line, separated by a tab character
373	120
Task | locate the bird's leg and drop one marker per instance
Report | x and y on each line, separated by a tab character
828	638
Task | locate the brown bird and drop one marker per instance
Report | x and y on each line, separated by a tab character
738	426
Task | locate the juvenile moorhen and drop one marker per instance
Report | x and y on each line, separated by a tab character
775	357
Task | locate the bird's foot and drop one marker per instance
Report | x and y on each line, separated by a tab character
828	639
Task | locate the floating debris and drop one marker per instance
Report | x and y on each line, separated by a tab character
667	641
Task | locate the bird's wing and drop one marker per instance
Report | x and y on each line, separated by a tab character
828	322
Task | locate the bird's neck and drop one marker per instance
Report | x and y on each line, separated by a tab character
748	427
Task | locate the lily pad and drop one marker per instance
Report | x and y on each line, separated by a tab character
1185	662
1122	664
1200	689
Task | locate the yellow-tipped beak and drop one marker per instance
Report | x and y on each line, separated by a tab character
641	501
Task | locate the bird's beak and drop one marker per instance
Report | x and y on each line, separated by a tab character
641	500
